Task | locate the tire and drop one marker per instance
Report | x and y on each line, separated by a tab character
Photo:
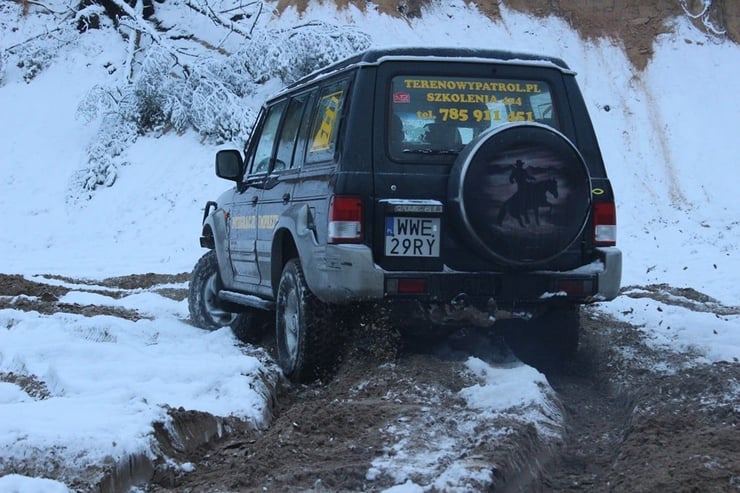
252	326
548	342
305	351
521	194
206	310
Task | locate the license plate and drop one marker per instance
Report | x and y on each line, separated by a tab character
412	236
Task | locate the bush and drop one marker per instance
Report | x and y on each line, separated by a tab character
162	86
214	95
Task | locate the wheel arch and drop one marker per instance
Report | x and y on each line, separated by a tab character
293	237
283	249
213	236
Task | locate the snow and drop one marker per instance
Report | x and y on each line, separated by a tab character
509	387
15	483
669	139
711	334
108	379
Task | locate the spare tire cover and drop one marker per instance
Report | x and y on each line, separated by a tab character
521	193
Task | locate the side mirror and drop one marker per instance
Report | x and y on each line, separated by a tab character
229	164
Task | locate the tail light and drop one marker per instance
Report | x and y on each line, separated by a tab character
345	219
605	224
406	285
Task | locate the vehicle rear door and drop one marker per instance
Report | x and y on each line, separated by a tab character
430	114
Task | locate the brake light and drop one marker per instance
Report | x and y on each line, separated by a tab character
605	224
574	287
345	219
406	285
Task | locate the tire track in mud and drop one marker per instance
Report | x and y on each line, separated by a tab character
376	424
597	417
641	419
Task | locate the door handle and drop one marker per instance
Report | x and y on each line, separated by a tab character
254	200
286	198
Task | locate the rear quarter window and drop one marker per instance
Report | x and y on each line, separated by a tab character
326	122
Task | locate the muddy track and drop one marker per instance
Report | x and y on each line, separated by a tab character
596	419
328	437
628	428
597	415
624	417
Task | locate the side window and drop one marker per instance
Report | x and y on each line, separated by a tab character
287	142
299	156
263	150
326	122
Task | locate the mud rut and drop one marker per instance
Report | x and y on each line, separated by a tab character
626	426
596	422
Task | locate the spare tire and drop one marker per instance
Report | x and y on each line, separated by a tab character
520	193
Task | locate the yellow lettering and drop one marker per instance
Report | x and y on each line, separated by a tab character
268	221
243	222
443	97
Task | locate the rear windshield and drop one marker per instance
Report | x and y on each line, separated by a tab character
440	115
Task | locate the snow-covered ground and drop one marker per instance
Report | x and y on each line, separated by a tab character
670	142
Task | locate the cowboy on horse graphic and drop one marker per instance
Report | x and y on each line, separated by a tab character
530	195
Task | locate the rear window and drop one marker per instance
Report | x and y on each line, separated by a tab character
440	115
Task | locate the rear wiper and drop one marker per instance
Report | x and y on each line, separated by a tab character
431	151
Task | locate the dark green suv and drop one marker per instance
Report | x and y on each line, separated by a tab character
446	187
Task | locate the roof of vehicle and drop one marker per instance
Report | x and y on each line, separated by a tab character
377	56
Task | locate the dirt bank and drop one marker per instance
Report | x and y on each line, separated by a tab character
634	23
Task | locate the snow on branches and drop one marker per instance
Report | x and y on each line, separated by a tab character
171	80
201	65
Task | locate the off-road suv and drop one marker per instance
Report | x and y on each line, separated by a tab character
445	187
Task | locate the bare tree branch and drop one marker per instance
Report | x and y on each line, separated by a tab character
10	49
138	18
256	18
240	7
26	3
208	12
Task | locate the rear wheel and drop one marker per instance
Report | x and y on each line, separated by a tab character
206	309
302	329
549	341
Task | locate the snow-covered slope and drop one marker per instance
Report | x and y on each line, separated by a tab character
669	137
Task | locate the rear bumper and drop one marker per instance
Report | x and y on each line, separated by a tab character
610	277
347	273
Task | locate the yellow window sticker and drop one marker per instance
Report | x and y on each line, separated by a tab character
325	132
